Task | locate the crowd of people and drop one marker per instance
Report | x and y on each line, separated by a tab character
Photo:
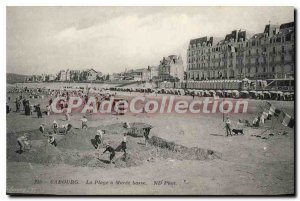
23	104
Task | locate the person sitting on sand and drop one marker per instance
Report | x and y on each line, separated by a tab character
84	122
51	140
23	142
127	125
42	128
111	151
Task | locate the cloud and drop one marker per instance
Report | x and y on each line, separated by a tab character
135	38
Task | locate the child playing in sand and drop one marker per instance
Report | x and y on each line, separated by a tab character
111	151
42	128
84	122
51	140
98	138
23	142
55	126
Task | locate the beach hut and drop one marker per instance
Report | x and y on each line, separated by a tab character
206	93
280	95
244	94
228	93
253	94
260	95
274	95
292	96
181	92
287	96
220	93
267	95
235	94
212	92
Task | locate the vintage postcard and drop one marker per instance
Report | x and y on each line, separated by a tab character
150	100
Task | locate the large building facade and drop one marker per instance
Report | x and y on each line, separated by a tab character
270	54
171	69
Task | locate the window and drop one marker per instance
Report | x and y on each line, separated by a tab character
282	48
278	40
273	69
274	50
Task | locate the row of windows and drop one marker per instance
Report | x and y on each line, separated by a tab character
192	60
252	43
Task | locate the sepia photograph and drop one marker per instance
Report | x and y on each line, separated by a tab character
150	100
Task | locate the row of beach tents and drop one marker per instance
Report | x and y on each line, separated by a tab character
262	95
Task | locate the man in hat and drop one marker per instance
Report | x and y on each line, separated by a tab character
111	151
228	126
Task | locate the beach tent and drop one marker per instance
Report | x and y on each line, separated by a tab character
212	92
219	93
235	94
274	95
267	95
287	96
244	94
280	95
253	94
260	95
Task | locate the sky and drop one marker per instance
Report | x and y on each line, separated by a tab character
111	39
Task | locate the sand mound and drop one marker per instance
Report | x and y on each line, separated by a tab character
136	129
75	148
193	153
